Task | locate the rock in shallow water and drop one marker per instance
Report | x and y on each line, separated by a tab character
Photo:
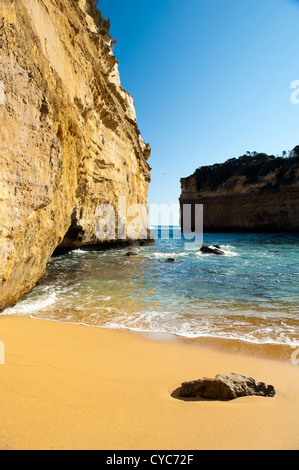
213	250
226	387
173	260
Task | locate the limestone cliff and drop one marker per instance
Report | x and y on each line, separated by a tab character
252	193
69	140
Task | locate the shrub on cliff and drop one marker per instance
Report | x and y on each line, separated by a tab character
102	23
295	152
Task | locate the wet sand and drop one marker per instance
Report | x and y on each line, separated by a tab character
67	386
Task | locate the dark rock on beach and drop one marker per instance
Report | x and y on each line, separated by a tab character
213	250
131	253
226	387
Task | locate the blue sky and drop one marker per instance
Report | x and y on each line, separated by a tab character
211	79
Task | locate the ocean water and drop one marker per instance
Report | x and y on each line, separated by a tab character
250	294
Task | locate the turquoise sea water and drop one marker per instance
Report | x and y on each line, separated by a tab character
251	293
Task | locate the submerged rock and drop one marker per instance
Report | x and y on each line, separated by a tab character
226	387
173	260
131	253
213	250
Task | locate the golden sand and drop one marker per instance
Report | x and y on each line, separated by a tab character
73	387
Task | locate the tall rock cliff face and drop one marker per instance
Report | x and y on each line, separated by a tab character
69	140
246	194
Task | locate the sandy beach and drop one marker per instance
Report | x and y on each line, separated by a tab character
67	386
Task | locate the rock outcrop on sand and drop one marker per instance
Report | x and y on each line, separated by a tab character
255	192
69	140
226	387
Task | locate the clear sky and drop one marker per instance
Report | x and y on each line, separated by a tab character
211	79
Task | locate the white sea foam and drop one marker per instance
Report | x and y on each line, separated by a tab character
165	255
25	307
202	331
168	323
229	250
79	252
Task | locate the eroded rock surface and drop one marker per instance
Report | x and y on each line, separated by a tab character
69	140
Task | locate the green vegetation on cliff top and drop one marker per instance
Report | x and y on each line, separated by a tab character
254	167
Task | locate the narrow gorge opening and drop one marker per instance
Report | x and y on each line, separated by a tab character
73	237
